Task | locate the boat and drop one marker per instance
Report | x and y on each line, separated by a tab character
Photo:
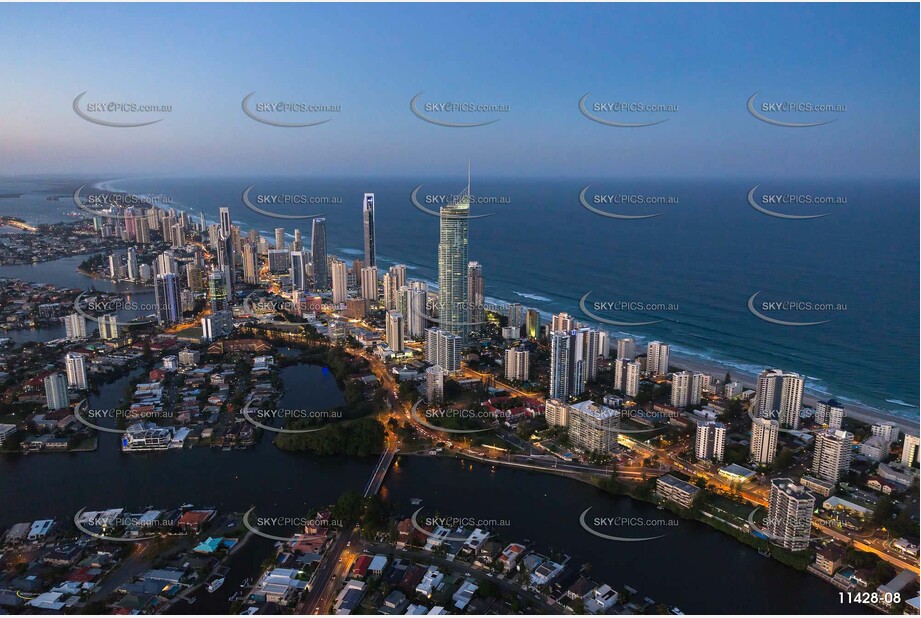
416	501
216	584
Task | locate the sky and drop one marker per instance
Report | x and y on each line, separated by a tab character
539	60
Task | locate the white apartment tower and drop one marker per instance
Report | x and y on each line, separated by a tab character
832	454
517	364
790	514
394	331
764	440
710	441
76	371
657	358
779	395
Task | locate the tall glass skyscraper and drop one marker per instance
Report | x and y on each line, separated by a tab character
452	265
368	214
318	251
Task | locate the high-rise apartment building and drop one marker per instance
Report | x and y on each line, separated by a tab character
452	265
710	441
339	275
443	348
764	440
369	231
318	255
394	330
779	395
517	362
789	521
831	455
657	358
76	371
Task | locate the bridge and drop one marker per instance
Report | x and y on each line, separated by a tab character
380	471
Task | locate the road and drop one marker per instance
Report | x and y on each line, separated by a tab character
339	556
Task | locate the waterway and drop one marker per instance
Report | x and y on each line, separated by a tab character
692	566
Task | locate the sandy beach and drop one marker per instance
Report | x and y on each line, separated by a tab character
857	411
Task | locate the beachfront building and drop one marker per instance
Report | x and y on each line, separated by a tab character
779	395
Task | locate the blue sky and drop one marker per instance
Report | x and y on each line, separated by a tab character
537	59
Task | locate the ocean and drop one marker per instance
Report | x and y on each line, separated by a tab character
691	269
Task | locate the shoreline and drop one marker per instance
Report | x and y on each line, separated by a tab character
857	411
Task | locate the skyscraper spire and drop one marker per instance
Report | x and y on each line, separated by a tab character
468	176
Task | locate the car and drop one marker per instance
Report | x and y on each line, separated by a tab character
467	574
349	544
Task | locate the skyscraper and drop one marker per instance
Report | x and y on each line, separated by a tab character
710	441
764	440
369	283
75	326
217	291
517	364
226	261
298	271
279	238
434	384
779	395
562	321
515	315
318	254
789	521
368	217
166	294
626	348
443	348
340	281
56	391
132	264
476	295
250	264
568	363
532	324
910	450
76	371
657	358
298	243
414	313
681	389
394	331
829	413
627	376
832	454
452	265
108	326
